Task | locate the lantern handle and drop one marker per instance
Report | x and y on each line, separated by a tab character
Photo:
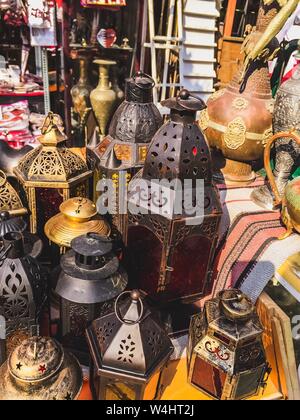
142	74
135	295
3	178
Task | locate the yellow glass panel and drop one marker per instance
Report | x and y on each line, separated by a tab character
151	388
119	391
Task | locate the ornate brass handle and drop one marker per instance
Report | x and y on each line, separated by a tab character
267	161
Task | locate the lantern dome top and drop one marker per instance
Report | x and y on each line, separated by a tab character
11	224
79	208
92	244
129	341
9	199
52	160
185	101
39	369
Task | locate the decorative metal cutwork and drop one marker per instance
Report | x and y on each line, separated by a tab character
9	199
127	349
235	135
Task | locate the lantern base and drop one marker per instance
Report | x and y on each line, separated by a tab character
232	172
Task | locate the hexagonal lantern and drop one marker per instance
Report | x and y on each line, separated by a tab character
129	352
226	357
51	174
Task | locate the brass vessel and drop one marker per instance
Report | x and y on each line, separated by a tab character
9	198
290	201
104	98
239	125
78	216
39	369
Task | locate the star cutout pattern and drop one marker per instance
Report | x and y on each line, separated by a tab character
19	366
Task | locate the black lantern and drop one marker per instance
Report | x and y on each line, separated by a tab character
33	245
132	128
91	278
23	284
171	254
129	352
226	357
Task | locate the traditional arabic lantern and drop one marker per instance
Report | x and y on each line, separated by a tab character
164	248
78	216
91	278
51	174
40	369
132	128
9	198
23	285
226	357
129	353
238	124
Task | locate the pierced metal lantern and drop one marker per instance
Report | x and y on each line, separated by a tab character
51	174
132	128
9	198
226	357
40	369
129	351
23	284
90	280
170	255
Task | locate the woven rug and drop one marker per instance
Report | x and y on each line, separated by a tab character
249	251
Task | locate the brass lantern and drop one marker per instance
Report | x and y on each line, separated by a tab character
9	198
40	369
170	255
131	130
226	357
91	278
51	174
23	284
78	216
129	351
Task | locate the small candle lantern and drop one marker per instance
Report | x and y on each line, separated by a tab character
39	369
91	278
51	174
226	357
130	351
23	284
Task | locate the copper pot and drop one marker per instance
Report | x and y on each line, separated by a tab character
239	125
291	200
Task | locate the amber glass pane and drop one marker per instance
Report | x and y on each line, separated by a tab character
119	391
190	263
144	255
249	383
208	378
151	388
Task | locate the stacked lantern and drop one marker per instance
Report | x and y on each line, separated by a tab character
130	133
90	280
129	352
51	174
226	357
23	284
170	254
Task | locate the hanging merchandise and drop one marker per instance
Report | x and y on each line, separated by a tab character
91	278
130	351
290	200
226	357
165	245
230	121
286	117
40	369
15	12
23	285
41	20
51	174
130	133
109	3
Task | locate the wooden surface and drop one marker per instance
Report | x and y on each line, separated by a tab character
230	57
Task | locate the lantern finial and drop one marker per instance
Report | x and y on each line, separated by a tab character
52	130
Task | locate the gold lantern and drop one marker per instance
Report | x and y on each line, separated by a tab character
9	198
78	216
51	174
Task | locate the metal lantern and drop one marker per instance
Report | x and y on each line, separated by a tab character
132	128
23	284
90	280
129	352
78	216
170	256
39	369
33	245
226	357
51	174
9	198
